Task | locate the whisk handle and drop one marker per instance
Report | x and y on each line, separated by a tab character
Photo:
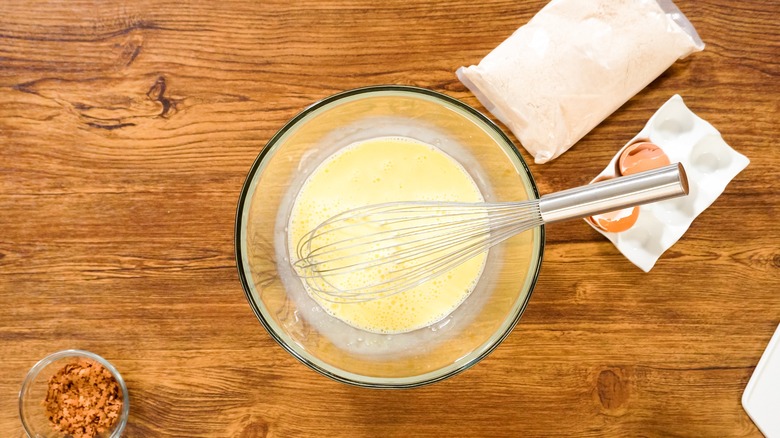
614	194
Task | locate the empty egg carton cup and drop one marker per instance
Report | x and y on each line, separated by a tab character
646	232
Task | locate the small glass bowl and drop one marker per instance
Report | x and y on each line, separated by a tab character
35	386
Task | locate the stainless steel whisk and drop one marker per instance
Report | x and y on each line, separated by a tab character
380	250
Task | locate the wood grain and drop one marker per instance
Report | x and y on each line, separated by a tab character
126	131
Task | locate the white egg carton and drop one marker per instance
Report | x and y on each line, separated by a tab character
710	164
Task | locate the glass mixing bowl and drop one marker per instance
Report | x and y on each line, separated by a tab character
297	322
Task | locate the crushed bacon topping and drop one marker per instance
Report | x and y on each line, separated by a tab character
83	399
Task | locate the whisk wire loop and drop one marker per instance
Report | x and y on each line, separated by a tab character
405	244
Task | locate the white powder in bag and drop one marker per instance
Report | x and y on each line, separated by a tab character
574	64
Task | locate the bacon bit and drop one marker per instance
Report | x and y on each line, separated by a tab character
83	399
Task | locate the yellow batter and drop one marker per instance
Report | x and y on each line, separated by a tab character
381	170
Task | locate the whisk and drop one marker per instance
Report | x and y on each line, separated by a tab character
381	250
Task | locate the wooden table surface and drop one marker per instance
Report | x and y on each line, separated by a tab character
128	127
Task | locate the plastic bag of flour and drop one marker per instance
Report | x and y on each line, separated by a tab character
575	63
